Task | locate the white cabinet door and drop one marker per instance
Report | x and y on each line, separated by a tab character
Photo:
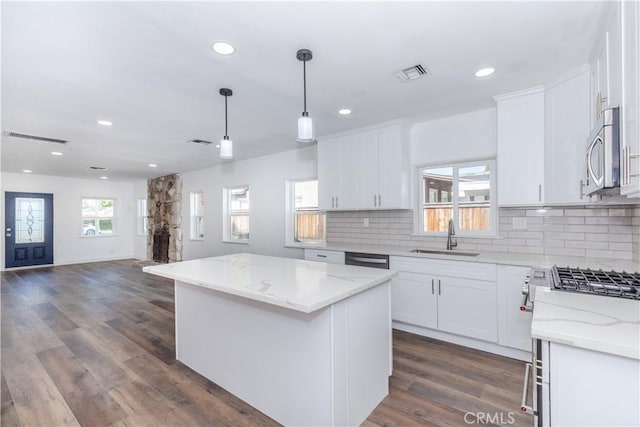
567	127
520	157
590	388
370	174
468	307
329	176
349	186
394	168
514	325
630	111
614	56
414	299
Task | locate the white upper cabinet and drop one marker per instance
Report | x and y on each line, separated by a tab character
630	104
520	148
567	126
367	169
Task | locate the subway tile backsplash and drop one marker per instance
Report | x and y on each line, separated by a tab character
603	232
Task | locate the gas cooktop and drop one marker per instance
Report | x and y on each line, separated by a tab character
609	283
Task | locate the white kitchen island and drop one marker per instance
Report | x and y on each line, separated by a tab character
305	342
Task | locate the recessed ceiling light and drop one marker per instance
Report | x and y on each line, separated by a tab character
104	177
485	72
27	170
153	165
104	122
56	153
223	48
344	112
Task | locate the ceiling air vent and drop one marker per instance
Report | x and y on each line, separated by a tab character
35	137
412	73
97	168
200	141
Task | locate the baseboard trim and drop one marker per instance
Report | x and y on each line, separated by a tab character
513	353
69	262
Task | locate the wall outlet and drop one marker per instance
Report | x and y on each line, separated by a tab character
365	222
519	223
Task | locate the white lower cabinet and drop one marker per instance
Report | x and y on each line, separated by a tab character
514	325
451	296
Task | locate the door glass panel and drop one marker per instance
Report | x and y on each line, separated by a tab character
29	226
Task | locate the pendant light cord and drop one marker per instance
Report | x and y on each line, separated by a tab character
225	118
304	80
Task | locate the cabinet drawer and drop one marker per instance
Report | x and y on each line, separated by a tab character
331	257
444	268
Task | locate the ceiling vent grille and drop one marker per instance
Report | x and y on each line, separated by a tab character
35	137
412	73
200	141
97	168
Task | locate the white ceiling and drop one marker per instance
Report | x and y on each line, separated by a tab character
148	68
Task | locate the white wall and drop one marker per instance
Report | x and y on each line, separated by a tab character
69	245
266	178
468	136
139	241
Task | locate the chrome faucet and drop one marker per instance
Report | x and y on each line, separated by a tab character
451	242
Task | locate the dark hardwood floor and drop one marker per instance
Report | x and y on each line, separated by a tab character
93	344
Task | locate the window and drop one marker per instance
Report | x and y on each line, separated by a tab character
236	215
141	217
462	192
304	224
98	217
196	203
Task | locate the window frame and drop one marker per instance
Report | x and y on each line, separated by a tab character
456	166
142	221
227	215
290	217
114	222
192	224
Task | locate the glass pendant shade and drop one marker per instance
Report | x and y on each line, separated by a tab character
305	129
226	148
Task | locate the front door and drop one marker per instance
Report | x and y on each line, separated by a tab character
28	229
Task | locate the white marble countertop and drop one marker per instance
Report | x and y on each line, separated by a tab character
606	324
506	258
300	285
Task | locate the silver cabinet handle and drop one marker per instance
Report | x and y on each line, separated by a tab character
333	202
336	201
540	192
629	174
321	256
433	286
624	166
379	200
439	287
374	200
581	189
525	391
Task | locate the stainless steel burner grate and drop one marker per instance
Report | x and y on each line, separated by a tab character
610	283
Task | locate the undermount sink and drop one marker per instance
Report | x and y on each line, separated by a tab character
438	252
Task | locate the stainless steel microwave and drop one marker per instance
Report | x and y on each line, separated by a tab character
603	156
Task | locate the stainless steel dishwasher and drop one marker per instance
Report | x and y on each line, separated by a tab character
367	260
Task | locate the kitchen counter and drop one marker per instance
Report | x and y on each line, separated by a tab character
594	322
307	343
300	285
505	258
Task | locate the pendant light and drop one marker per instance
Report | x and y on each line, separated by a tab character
226	145
305	123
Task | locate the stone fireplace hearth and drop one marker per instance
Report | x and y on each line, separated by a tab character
164	233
